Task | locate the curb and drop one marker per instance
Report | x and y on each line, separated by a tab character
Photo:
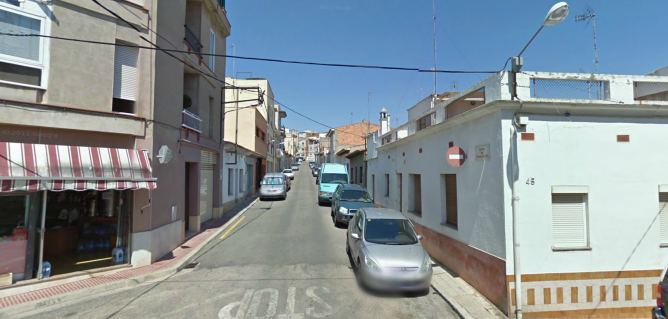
459	309
160	274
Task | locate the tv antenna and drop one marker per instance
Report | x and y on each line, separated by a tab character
590	16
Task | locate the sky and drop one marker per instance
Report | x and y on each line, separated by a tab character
632	37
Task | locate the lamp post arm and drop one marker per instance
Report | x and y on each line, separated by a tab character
531	39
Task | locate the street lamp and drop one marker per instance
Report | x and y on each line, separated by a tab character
555	15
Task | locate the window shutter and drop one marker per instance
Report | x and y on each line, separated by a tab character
569	220
208	160
663	217
125	73
212	50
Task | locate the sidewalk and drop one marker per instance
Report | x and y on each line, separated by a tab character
14	301
468	302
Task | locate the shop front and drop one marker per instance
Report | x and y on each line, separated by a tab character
66	208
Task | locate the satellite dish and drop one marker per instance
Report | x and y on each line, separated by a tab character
164	154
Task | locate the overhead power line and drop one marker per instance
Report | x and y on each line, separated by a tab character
262	59
170	52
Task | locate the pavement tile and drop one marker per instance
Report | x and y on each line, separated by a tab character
176	255
464	296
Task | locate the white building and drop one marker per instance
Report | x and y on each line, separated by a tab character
586	153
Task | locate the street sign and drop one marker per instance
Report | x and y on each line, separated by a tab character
456	156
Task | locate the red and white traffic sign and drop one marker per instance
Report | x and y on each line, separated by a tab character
456	156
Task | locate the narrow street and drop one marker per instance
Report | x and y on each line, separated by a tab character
281	259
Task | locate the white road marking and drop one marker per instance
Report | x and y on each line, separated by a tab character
251	303
326	308
226	312
271	306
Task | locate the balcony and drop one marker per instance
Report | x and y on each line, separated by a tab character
192	40
191	121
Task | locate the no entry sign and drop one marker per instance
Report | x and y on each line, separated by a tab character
456	156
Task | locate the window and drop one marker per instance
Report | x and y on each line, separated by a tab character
663	217
387	185
424	121
241	180
212	50
415	195
361	175
21	58
569	220
353	177
354	195
449	187
400	183
125	79
212	117
373	186
230	181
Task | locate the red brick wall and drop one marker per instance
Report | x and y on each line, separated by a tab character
485	272
353	134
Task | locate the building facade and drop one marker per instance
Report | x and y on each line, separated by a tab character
346	137
187	122
98	193
577	151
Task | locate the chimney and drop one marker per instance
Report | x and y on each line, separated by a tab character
384	121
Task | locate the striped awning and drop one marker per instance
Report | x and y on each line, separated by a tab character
33	167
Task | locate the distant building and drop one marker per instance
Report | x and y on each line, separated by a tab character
585	157
346	137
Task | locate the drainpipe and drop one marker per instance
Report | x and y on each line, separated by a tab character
515	213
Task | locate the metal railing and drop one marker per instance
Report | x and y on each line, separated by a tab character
192	40
191	121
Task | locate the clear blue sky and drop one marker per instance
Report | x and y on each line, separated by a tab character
471	35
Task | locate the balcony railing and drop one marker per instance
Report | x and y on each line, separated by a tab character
192	40
191	121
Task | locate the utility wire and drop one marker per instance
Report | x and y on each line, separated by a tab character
170	51
262	59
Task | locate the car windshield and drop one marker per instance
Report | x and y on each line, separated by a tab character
287	171
272	181
334	178
389	232
356	195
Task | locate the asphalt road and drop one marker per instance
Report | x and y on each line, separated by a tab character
283	260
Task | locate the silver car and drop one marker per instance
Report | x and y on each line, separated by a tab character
273	185
386	251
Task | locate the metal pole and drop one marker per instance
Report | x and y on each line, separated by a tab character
515	208
433	98
41	236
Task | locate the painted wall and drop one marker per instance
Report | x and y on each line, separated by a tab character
623	181
479	185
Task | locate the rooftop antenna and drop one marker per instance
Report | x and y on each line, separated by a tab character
590	16
433	8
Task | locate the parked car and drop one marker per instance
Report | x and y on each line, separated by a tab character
315	172
294	167
659	312
386	251
347	200
273	186
289	173
331	175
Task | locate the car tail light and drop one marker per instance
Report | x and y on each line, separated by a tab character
659	295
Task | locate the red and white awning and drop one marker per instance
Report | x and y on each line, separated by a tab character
33	167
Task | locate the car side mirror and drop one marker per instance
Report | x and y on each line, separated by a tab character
355	235
419	237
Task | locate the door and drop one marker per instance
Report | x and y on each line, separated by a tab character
206	193
356	244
